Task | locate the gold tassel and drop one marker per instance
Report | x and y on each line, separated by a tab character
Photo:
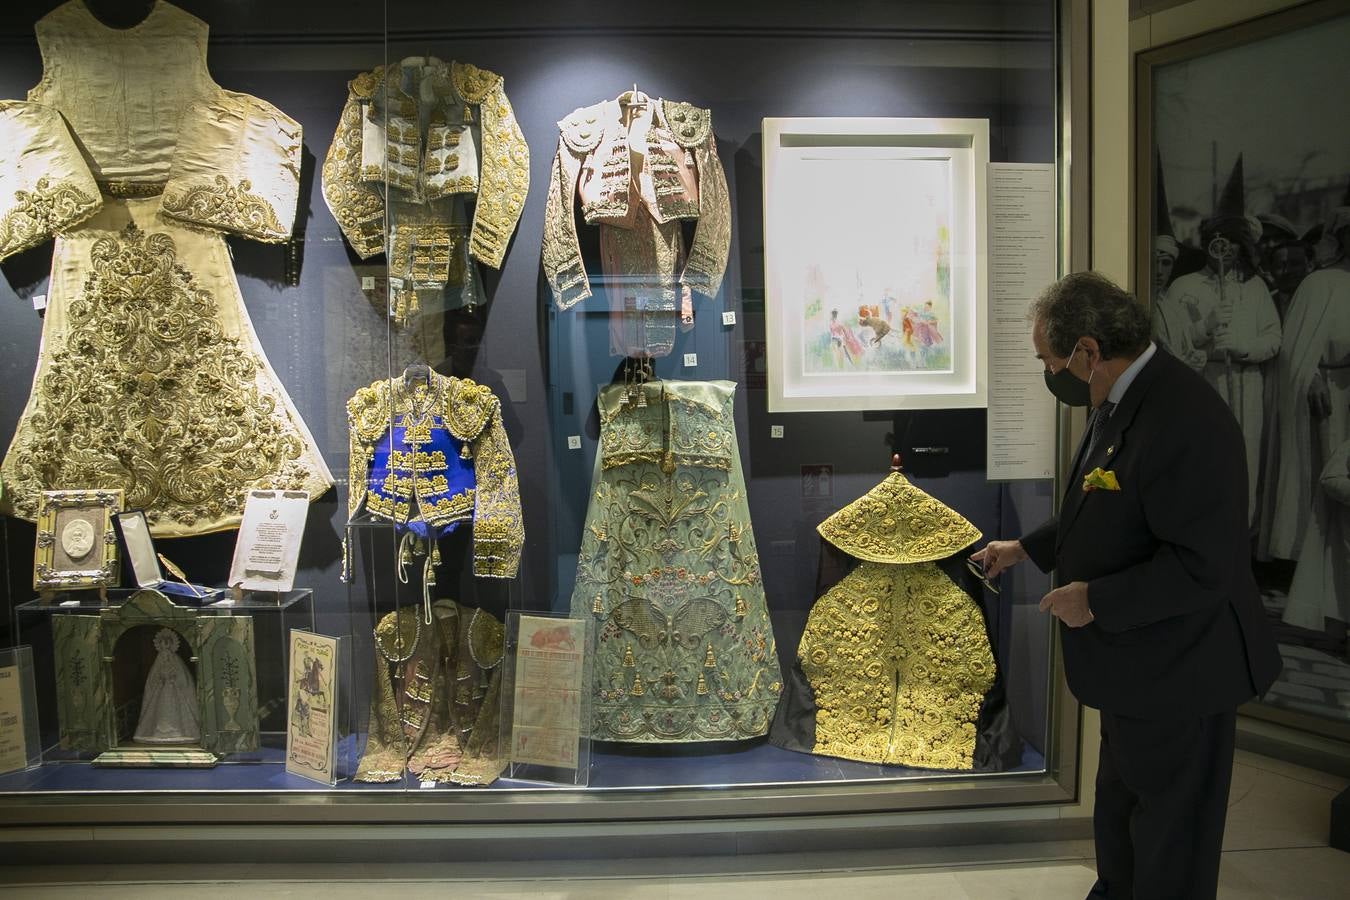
708	661
637	690
702	688
628	661
465	452
598	607
740	607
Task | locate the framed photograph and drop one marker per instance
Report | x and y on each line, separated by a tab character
1242	246
874	250
76	543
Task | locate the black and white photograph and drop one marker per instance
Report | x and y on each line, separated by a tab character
1250	286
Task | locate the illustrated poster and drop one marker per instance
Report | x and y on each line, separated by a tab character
311	720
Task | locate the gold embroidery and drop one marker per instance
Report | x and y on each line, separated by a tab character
472	414
146	394
899	663
226	206
668	564
127	189
505	173
435	703
433	461
42	212
896	522
357	205
667	428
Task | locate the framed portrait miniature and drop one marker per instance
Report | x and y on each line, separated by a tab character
76	542
875	246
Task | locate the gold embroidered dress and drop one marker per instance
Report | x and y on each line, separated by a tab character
150	377
418	141
640	167
895	664
669	571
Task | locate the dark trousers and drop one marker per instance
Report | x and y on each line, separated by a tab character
1162	798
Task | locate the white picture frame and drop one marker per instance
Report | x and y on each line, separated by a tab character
852	323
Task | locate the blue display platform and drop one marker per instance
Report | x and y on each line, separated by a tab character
612	767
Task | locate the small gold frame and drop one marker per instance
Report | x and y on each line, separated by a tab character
76	543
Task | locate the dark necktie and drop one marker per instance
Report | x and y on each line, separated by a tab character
1099	419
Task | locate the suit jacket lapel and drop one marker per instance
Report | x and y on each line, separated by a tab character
1109	447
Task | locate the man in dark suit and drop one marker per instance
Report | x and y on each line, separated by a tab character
1161	622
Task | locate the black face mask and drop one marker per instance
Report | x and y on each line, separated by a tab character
1067	387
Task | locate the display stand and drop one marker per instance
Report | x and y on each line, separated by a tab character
20	744
546	699
39	621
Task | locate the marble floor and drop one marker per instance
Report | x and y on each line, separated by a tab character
1275	847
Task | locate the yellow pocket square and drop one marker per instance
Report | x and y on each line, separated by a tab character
1100	479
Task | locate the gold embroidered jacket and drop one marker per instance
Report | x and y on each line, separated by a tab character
681	178
384	156
436	697
150	379
435	454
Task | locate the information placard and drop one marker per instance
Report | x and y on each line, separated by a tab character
312	706
547	691
1022	263
268	548
19	745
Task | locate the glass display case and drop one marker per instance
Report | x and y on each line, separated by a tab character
497	298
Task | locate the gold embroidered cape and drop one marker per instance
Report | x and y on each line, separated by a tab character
895	662
668	569
472	476
150	379
436	697
415	140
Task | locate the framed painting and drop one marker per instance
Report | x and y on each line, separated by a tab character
1242	245
874	251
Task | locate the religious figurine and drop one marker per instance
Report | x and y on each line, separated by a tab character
169	704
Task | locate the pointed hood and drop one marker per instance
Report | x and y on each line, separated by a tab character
1162	212
1230	215
896	522
1164	238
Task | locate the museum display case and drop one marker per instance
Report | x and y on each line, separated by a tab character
501	318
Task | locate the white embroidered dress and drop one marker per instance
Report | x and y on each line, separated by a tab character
150	377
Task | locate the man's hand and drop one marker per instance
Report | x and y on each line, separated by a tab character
1069	604
998	556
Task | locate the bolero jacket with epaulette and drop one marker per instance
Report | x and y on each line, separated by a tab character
431	456
682	178
420	131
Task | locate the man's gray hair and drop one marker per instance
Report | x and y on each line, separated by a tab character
1087	304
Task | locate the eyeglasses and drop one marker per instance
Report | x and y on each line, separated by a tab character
978	571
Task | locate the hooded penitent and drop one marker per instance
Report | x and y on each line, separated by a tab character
895	664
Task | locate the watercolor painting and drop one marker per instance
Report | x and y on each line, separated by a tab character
876	297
